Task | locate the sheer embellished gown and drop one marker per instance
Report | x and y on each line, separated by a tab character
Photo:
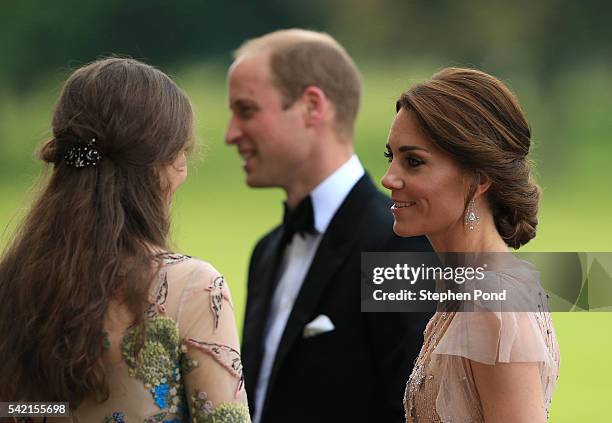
441	387
189	367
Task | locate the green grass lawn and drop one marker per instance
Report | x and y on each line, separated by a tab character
218	219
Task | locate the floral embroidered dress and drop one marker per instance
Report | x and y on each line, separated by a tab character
189	367
441	387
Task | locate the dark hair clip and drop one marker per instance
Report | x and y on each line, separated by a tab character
82	155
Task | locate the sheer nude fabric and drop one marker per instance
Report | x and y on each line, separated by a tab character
189	367
441	387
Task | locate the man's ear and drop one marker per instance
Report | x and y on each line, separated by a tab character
316	106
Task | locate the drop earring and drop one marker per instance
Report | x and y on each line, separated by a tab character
471	215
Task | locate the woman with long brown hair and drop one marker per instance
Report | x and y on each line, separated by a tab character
96	311
459	173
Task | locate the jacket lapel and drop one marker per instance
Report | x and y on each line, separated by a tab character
260	296
332	252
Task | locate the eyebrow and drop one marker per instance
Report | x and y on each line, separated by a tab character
405	148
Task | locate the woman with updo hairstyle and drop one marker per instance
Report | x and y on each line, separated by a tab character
460	174
97	311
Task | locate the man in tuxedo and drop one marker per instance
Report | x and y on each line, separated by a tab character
308	353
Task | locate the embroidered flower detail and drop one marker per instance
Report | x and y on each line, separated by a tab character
157	302
173	258
228	357
157	364
202	410
160	394
217	295
202	406
117	417
158	418
158	354
161	418
188	363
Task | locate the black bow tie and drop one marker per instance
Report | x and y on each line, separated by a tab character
299	220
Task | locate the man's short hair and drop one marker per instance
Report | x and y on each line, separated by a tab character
301	58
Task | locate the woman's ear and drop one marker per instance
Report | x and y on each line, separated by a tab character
483	182
164	181
172	175
477	184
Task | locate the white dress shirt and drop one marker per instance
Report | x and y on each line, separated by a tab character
297	258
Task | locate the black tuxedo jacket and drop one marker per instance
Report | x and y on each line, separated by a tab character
358	371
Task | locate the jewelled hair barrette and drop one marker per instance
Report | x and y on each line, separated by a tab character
82	155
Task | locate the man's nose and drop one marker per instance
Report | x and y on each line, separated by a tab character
233	133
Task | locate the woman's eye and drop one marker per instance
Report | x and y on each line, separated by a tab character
414	162
388	155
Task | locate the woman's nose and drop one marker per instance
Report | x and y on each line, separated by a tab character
391	181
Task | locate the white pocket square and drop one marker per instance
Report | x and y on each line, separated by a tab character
319	325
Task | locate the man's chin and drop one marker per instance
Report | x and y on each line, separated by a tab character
254	182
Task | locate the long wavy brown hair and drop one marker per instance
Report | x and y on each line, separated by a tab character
93	232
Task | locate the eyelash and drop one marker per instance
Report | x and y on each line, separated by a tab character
412	161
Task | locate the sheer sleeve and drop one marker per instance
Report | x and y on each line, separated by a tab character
495	337
492	334
501	331
210	364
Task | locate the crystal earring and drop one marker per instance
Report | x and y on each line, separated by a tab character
471	215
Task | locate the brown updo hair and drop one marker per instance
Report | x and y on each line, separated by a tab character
478	121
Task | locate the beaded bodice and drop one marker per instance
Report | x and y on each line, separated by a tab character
424	382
